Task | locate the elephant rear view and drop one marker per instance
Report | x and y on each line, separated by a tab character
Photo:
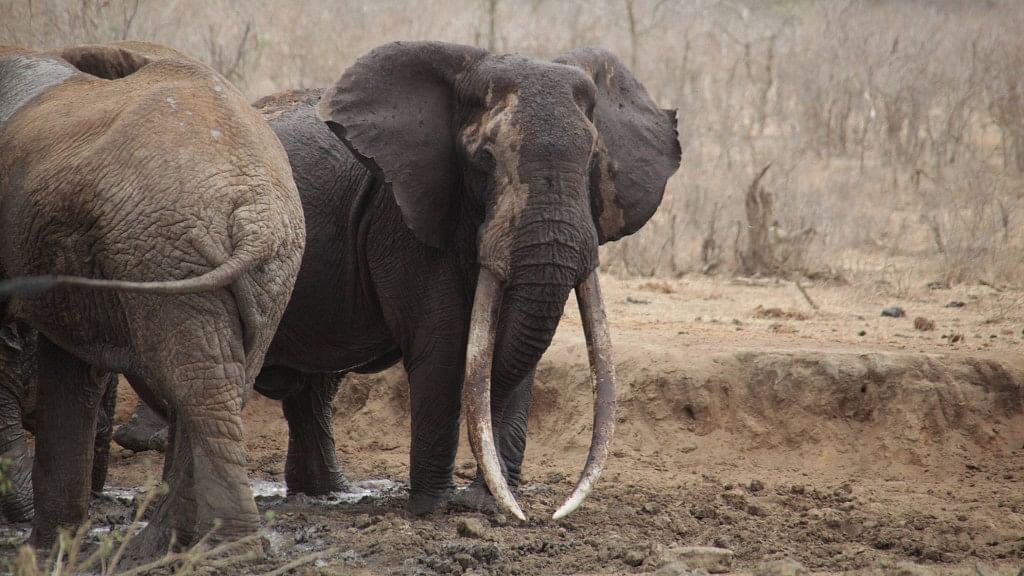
154	214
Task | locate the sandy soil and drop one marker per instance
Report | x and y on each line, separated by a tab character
835	437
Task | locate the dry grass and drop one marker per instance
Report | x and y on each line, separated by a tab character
73	555
893	128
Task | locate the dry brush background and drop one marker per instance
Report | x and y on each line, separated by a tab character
894	131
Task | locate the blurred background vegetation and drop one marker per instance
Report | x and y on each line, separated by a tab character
867	141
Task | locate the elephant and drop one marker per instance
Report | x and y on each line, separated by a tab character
453	199
149	226
18	390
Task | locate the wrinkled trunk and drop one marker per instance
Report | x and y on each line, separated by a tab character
527	322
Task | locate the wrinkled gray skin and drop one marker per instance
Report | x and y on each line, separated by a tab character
450	159
149	226
18	391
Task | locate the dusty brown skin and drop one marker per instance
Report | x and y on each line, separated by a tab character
161	211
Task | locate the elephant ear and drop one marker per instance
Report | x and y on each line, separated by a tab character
395	109
639	145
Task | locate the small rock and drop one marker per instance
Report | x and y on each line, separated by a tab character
923	324
677	569
362	521
703	512
499	520
713	560
651	508
722	541
938	285
756	510
735	498
756	486
956	304
471	528
785	567
894	312
910	569
862	333
634	557
464	560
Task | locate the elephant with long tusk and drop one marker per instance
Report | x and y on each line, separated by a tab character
460	199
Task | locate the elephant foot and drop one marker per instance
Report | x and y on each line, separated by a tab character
140	434
421	504
157	538
473	498
321	485
148	544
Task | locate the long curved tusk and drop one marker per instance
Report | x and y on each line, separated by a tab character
476	392
602	371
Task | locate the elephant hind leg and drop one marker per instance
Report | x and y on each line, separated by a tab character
312	466
16	502
205	465
104	428
68	402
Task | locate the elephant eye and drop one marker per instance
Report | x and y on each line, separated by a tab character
587	105
484	156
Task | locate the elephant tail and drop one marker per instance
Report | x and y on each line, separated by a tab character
219	277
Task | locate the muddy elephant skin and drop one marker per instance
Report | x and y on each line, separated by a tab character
149	226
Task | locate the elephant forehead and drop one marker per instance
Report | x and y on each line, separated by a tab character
523	72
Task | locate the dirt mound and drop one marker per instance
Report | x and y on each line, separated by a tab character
878	408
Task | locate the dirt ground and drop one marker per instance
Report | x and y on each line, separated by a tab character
748	420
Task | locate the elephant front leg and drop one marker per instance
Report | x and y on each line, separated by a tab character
510	427
68	401
434	397
312	467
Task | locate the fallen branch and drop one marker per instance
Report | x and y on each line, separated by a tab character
807	296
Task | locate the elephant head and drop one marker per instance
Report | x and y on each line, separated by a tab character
525	166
